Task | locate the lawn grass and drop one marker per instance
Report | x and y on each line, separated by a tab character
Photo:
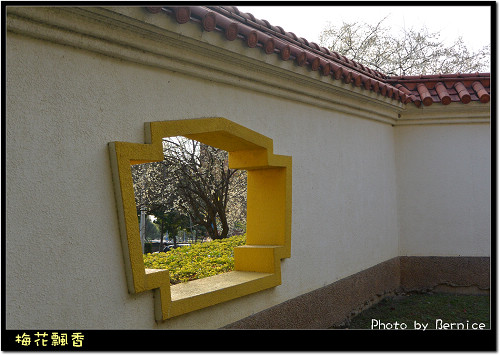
426	308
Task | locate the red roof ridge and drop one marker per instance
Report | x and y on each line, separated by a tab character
437	77
279	32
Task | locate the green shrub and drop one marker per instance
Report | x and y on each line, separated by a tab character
197	260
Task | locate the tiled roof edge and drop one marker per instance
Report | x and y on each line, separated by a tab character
302	42
426	89
445	88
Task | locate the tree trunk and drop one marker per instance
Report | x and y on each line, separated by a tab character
160	249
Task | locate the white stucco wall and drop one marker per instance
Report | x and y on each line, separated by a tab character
444	189
64	262
64	259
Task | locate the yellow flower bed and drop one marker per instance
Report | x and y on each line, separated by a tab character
197	260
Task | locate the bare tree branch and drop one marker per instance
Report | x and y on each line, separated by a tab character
402	52
194	179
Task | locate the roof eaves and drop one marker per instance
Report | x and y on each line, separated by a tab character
445	88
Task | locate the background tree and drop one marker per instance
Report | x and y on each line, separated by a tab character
236	210
204	183
152	230
152	194
151	233
403	52
194	182
168	221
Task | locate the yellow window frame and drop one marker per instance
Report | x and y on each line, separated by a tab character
269	206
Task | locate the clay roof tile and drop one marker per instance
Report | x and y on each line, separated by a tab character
285	51
337	71
367	83
269	45
462	91
481	92
347	75
325	68
252	39
154	9
231	31
325	50
294	36
281	30
182	14
357	79
425	95
443	94
314	45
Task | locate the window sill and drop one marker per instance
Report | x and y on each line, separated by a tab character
198	294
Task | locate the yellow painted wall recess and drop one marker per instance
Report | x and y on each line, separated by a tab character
269	207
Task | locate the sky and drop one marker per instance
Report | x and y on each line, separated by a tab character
470	22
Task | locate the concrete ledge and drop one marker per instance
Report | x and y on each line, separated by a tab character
336	303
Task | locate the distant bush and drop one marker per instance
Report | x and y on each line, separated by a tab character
197	260
148	248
